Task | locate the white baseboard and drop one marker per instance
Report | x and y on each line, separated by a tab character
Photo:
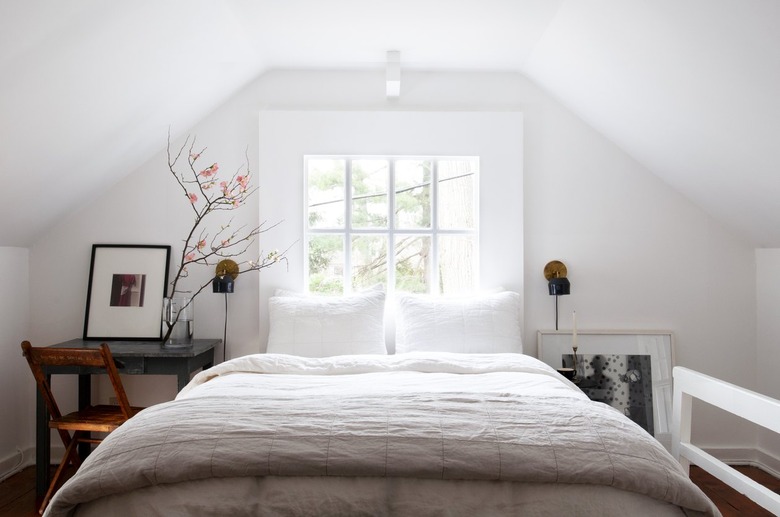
21	459
743	456
15	462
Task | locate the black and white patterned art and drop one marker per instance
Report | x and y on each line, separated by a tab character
621	381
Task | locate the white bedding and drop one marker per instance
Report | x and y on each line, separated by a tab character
414	434
382	375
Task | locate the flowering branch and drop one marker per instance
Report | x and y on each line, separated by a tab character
206	193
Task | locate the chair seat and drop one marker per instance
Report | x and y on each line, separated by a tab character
102	418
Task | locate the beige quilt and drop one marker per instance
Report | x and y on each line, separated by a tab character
502	417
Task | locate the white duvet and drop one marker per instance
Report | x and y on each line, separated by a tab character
413	434
383	375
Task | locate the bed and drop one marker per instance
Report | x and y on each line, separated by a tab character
459	422
413	434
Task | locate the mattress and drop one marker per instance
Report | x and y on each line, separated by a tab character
412	434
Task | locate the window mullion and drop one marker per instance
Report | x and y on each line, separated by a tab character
306	228
390	287
433	274
348	227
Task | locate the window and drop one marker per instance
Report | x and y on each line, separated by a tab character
409	223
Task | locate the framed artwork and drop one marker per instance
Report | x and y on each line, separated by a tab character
630	370
127	284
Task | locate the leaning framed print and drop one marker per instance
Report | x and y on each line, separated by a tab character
127	284
630	370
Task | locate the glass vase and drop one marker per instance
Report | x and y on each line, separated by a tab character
178	321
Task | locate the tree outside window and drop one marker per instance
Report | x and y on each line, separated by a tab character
409	223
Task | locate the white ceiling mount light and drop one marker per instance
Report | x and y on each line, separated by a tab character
393	73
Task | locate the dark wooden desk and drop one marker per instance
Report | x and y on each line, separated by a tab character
133	358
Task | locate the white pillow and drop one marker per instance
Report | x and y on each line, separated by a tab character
323	326
485	323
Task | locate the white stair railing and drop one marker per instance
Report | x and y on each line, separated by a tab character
752	406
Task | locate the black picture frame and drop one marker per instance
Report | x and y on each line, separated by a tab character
127	284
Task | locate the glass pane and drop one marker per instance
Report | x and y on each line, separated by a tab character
457	268
369	261
369	193
412	263
457	193
413	194
326	264
326	187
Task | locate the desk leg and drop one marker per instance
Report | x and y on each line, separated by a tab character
182	377
42	445
184	370
85	398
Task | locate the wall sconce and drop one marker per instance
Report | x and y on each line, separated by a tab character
557	283
226	273
224	281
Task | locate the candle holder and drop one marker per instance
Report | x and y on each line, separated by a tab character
576	379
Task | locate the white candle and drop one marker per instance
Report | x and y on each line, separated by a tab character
574	329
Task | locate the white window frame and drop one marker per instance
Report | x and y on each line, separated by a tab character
390	231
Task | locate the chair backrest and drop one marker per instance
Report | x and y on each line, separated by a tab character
95	358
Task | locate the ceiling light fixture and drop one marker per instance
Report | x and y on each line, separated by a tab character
393	74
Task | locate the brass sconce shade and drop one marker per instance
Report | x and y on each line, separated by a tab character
555	269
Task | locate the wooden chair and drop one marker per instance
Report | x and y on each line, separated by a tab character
99	419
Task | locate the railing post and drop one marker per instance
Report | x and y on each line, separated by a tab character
682	405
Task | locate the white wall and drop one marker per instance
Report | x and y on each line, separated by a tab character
768	296
17	386
147	207
639	255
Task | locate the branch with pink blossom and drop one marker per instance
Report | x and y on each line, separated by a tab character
207	192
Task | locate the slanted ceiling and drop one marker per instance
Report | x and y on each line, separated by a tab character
689	88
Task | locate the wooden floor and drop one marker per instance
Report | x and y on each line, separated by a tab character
730	502
17	493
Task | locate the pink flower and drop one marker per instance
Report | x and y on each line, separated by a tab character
224	186
189	257
209	171
225	243
194	156
193	198
201	244
243	181
236	203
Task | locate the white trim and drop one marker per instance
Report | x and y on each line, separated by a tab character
15	462
744	456
756	408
